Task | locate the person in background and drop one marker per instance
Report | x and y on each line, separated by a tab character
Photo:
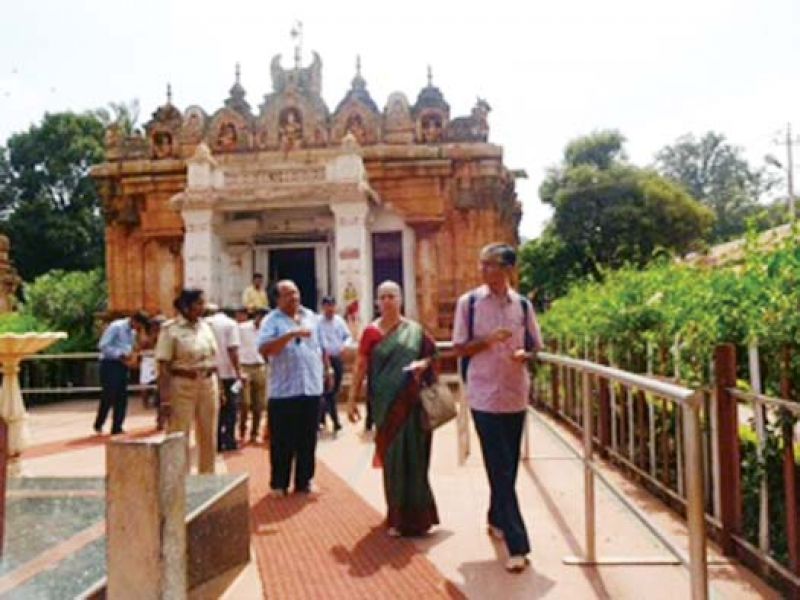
187	382
495	328
334	336
116	357
254	296
255	369
148	367
229	371
289	338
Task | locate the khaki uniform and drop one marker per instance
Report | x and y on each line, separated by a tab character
254	398
189	349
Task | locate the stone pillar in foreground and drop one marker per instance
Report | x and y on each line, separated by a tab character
146	518
3	466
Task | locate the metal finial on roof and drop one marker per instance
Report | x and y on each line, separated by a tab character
358	65
169	93
238	73
430	76
297	35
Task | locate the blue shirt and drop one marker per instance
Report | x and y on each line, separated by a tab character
117	340
333	334
297	369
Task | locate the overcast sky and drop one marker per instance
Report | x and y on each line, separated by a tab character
551	70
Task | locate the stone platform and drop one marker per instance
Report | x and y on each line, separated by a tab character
55	534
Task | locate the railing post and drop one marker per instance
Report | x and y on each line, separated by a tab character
789	468
588	473
728	436
695	513
3	473
604	411
555	385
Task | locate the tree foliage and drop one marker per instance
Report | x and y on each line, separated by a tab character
701	306
68	301
607	213
716	173
50	207
125	115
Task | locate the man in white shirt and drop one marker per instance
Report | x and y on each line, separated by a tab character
255	369
230	375
334	336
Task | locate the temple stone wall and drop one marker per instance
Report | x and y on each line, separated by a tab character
438	175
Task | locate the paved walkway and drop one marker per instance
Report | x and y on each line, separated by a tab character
332	545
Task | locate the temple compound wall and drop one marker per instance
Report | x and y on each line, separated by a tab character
337	201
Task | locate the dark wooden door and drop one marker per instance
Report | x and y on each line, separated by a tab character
299	265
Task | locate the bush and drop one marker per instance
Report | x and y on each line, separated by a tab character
68	301
15	322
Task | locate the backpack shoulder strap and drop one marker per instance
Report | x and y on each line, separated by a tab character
471	315
464	363
526	307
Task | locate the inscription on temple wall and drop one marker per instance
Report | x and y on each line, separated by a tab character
261	178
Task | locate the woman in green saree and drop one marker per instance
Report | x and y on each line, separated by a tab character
397	356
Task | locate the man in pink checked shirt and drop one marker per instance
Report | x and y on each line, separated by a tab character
497	336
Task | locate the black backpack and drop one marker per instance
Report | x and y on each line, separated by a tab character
526	306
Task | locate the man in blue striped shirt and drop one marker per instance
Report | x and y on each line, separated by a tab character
289	337
116	352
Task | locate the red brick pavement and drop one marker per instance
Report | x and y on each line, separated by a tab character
330	545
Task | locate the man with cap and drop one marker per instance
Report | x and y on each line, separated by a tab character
496	335
334	336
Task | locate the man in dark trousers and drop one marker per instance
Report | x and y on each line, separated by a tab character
116	356
289	337
495	329
229	371
334	336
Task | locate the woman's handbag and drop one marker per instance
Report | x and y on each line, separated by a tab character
439	404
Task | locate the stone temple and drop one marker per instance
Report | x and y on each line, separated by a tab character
337	200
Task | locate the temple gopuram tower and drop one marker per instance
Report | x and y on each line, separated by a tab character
336	200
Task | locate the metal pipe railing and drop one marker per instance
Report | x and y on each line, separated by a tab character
690	402
763	399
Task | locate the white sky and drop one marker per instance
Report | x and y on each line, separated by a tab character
551	70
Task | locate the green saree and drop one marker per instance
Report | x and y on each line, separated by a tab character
402	446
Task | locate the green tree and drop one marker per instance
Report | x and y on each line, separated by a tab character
124	115
607	213
600	149
68	301
550	267
50	208
716	173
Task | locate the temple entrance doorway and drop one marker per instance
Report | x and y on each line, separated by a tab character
299	265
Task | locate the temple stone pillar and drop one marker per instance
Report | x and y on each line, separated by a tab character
426	264
202	246
236	269
353	262
349	192
202	253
